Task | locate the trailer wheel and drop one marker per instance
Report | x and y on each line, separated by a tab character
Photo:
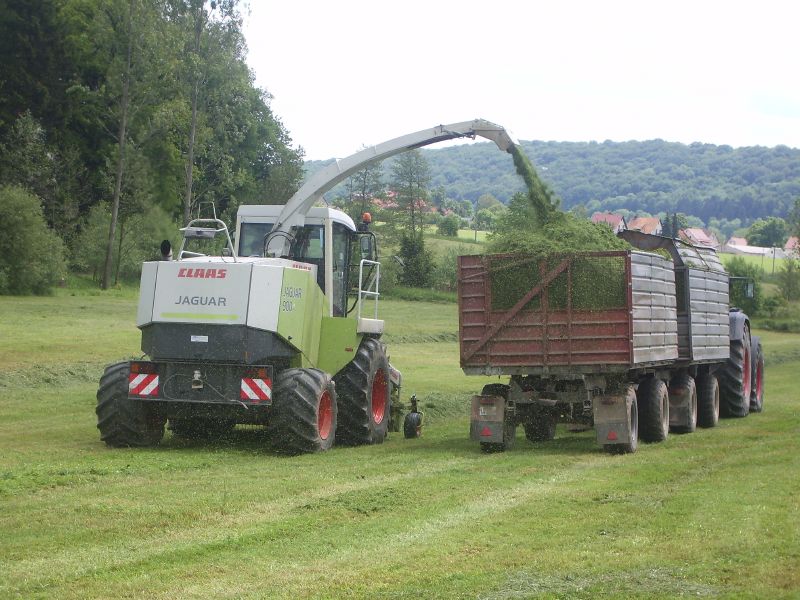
633	426
707	400
200	427
303	414
123	422
735	379
653	400
757	393
540	425
364	396
686	381
509	426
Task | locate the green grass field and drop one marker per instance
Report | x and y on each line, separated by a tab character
714	513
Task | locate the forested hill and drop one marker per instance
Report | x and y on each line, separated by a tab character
654	176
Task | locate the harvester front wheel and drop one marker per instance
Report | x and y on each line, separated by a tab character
652	398
735	379
364	398
303	414
123	422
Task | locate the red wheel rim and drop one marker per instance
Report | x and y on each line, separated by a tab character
325	415
379	396
746	375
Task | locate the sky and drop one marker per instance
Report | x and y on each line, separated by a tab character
355	72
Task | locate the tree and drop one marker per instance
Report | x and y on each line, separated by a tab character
768	233
487	201
410	178
449	225
363	186
789	279
31	256
417	261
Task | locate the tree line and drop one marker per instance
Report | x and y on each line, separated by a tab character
722	186
124	117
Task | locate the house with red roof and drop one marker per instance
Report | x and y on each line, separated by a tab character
651	225
792	246
616	222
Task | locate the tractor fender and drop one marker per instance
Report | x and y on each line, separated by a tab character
738	320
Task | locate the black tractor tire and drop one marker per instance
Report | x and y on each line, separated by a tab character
412	425
495	389
652	398
364	396
303	414
735	379
200	427
757	379
633	425
708	402
686	380
122	422
540	425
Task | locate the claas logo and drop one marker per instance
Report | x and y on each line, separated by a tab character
202	273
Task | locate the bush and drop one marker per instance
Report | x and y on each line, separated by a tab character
449	226
31	255
789	279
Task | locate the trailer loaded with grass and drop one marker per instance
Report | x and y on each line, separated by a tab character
637	343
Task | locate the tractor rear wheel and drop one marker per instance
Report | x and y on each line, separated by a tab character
364	396
707	400
123	422
652	398
757	393
735	379
303	414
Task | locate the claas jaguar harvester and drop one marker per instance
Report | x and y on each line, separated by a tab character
635	343
279	328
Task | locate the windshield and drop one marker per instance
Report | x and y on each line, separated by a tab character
251	238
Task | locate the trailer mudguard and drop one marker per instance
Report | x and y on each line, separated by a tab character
612	416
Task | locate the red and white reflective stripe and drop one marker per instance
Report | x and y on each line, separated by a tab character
255	389
143	384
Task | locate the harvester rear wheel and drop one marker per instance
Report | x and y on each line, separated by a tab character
707	400
123	422
735	379
303	414
364	398
757	385
652	398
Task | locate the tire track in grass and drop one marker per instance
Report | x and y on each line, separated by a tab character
73	563
334	570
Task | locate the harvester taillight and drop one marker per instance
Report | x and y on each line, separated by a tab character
144	367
